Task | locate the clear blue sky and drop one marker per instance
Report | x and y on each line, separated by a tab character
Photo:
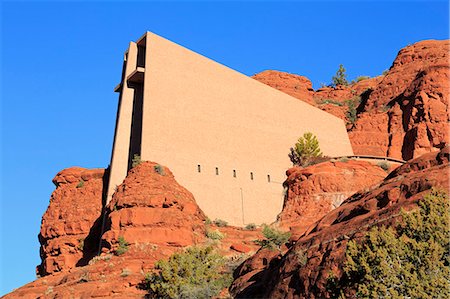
61	61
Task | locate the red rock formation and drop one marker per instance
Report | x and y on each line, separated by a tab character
150	207
294	85
74	207
303	271
401	115
154	214
407	113
316	190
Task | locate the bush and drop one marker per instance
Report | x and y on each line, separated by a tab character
123	246
159	169
136	160
408	261
195	273
307	147
214	234
80	184
329	101
220	223
384	165
250	226
340	78
273	238
360	78
352	113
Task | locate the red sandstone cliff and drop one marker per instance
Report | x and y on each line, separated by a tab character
303	271
74	208
150	210
316	190
403	114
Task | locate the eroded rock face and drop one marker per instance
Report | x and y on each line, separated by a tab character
294	85
316	190
304	270
407	113
74	208
403	114
151	207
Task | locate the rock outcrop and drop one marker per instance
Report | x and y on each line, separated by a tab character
75	206
407	115
316	190
151	208
303	271
150	211
402	114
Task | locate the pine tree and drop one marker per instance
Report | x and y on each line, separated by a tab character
340	78
307	147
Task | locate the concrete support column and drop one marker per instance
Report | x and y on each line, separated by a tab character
119	157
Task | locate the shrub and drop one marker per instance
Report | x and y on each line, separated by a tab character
80	184
125	272
220	223
159	169
208	221
360	78
329	101
273	238
250	226
410	260
195	273
340	78
136	160
352	113
81	244
301	256
214	234
123	246
306	148
384	165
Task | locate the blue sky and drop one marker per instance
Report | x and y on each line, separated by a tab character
62	59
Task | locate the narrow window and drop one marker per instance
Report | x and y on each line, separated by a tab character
217	171
268	178
234	173
199	168
251	175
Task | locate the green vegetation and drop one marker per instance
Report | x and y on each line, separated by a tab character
214	234
301	256
195	273
81	244
384	165
123	246
220	223
136	160
125	272
159	169
208	221
329	101
360	78
80	184
411	260
273	238
250	226
306	148
340	78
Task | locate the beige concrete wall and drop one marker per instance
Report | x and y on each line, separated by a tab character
119	157
198	112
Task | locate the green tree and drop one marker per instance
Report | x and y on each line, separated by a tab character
306	148
273	238
411	260
195	273
340	78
